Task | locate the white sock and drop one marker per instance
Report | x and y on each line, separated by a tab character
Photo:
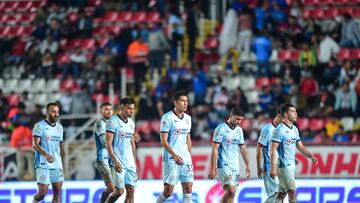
161	198
34	201
188	198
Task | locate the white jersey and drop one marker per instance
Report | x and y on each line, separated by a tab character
178	128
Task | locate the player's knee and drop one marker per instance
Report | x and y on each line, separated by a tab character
281	195
42	193
130	190
168	192
231	192
291	194
119	192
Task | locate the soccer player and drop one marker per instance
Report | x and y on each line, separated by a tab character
120	144
285	140
228	137
49	154
175	138
102	161
263	152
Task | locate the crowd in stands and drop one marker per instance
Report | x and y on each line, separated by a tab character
86	44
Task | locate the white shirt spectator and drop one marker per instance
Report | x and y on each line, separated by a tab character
328	48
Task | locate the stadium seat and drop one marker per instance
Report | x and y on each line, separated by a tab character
10	85
317	13
138	17
331	13
247	83
316	124
262	81
284	55
246	124
348	123
101	32
53	85
41	99
38	85
310	2
231	83
302	123
24	6
211	43
19	48
343	54
252	96
93	3
87	44
11	6
155	125
324	2
124	16
355	54
346	9
28	18
143	127
153	17
62	58
115	29
109	17
24	85
356	12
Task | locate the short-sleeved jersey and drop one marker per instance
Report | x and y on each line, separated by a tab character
178	128
229	139
99	132
287	137
265	140
51	136
123	132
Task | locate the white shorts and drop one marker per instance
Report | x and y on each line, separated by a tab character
46	176
128	176
271	184
104	170
229	176
173	172
286	179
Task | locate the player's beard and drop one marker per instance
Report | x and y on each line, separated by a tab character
54	119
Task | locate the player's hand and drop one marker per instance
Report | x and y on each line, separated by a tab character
247	171
212	173
137	137
273	172
49	158
118	167
260	172
315	160
178	160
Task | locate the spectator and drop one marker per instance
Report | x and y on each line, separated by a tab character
54	30
21	140
4	106
324	104
77	60
307	56
341	136
200	85
192	28
176	31
239	99
346	101
81	101
328	48
36	115
348	72
49	44
65	101
266	100
84	25
262	48
221	101
21	117
157	46
331	72
24	98
332	126
245	34
350	32
260	14
309	87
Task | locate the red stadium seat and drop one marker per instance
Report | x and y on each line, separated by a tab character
62	58
27	18
101	31
63	44
73	16
310	2
124	16
331	12
261	82
307	13
11	6
317	13
348	10
93	3
356	12
109	17
2	6
343	54
295	55
316	124
284	55
24	6
87	44
211	43
138	16
355	54
245	124
103	42
155	125
325	2
153	17
302	123
115	29
19	48
143	127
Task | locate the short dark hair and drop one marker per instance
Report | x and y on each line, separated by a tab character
105	104
126	101
237	111
285	108
178	94
50	105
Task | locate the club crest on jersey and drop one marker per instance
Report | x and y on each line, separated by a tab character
228	142
177	132
122	135
47	137
289	141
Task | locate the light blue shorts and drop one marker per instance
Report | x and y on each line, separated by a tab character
46	176
173	172
229	176
128	176
271	184
286	179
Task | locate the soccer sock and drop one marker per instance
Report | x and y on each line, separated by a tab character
188	198
161	198
34	201
104	195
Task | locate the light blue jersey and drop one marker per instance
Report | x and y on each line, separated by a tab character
287	137
178	129
229	139
265	140
51	136
123	132
99	134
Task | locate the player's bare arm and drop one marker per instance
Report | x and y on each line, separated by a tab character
274	147
306	152
214	154
136	137
260	169
245	157
62	153
133	147
109	148
188	142
165	144
37	147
